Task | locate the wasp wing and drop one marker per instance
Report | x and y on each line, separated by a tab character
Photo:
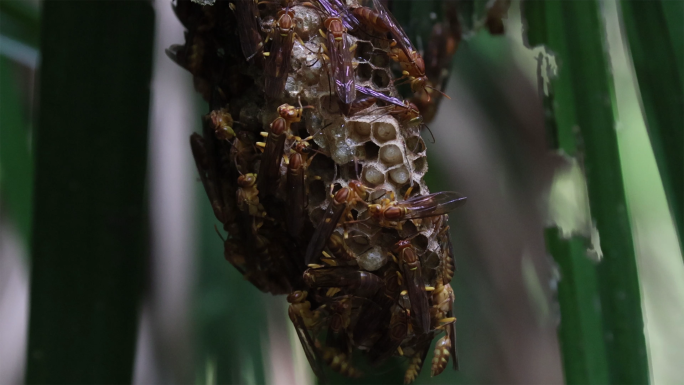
381	96
323	232
396	30
246	13
278	63
336	8
307	344
269	170
433	204
420	307
452	336
342	69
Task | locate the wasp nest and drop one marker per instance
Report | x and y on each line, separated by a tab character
315	168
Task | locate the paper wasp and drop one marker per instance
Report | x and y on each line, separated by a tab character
403	110
247	13
415	285
269	171
296	196
442	316
341	203
390	213
222	123
304	319
416	364
401	48
356	282
395	334
278	58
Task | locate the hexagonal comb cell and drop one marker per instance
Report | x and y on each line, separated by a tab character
359	130
380	59
383	131
380	78
364	71
391	154
420	165
370	151
364	50
373	176
399	175
415	144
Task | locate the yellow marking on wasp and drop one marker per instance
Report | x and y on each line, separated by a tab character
267	54
429	288
401	352
315	266
264	134
332	291
325	254
403	292
261	144
414	268
448	320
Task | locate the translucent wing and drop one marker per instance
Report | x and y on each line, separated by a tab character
396	31
342	70
452	336
415	285
308	344
269	170
323	231
381	96
432	205
335	8
277	64
250	40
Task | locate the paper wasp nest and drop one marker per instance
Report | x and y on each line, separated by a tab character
317	175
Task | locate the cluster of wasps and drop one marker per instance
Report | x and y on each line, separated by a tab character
257	162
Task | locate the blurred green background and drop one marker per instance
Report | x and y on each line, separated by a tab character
116	242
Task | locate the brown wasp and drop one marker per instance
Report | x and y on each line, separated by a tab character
304	319
340	61
448	266
338	8
371	19
222	122
338	350
394	335
390	213
341	203
443	317
278	58
403	110
402	50
248	196
269	171
296	195
246	13
416	364
415	284
357	282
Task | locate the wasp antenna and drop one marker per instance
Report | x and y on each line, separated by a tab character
443	94
219	234
430	131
